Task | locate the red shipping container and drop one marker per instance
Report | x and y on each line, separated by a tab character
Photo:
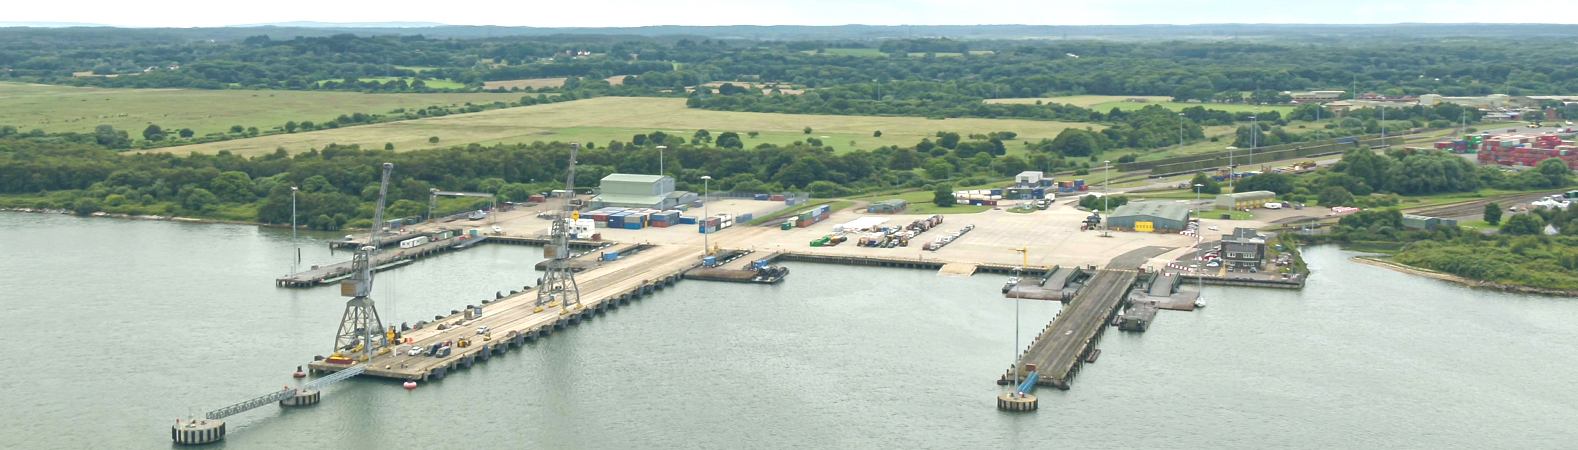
658	224
778	198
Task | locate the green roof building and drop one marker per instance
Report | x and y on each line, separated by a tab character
1164	217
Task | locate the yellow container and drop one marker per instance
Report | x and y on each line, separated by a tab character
1144	226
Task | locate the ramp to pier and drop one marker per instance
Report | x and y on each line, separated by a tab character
957	269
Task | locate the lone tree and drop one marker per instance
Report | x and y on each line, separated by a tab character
1208	186
944	196
807	130
1335	196
432	140
878	133
151	131
1493	213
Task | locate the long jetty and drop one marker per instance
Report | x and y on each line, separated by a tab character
513	320
1060	350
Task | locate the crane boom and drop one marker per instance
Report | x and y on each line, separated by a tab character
378	212
362	263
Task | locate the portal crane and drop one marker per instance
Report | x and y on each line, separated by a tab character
360	328
558	285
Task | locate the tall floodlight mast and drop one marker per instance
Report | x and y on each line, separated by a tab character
558	286
360	328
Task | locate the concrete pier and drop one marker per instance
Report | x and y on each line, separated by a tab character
1058	352
517	318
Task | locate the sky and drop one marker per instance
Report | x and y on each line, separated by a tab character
632	13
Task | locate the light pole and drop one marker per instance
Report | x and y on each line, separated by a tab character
706	190
660	159
296	259
1254	138
1019	272
1106	169
1199	275
1230	167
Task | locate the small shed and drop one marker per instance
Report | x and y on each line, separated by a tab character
1427	223
890	206
1028	178
1244	200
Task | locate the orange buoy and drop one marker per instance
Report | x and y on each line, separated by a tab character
409	385
299	373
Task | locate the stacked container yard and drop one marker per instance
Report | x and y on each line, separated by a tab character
1520	150
709	225
664	219
812	216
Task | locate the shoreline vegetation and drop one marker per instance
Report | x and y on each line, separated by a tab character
1387	263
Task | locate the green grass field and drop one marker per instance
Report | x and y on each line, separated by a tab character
867	52
603	119
920	202
1083	101
435	84
1232	108
76	109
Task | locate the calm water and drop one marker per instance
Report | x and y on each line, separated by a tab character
167	319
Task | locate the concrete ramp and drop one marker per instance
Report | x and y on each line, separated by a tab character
957	269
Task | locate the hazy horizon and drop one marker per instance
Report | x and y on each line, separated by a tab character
193	14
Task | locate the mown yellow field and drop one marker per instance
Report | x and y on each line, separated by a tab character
603	119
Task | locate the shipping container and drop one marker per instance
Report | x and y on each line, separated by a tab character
745	217
657	224
777	198
687	220
709	261
632	225
611	256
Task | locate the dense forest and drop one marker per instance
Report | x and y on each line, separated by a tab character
338	182
1215	70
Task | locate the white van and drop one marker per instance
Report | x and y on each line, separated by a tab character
1273	206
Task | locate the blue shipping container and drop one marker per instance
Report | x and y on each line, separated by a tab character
762	196
744	217
611	256
997	192
633	226
687	220
709	261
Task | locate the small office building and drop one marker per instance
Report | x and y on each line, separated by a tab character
1244	249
